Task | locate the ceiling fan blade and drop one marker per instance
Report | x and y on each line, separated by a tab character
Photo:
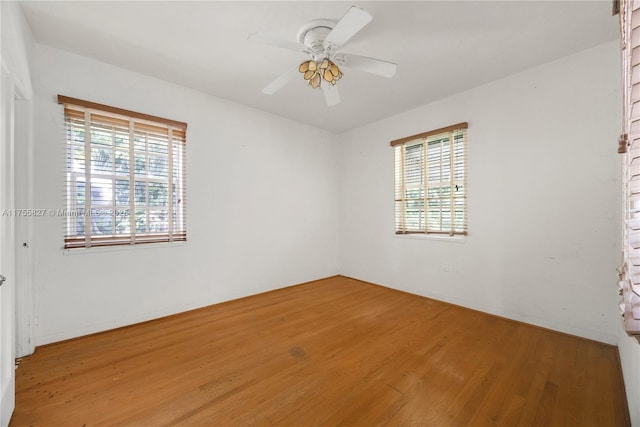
279	82
270	40
331	94
369	65
353	21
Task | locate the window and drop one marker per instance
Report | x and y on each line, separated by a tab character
431	182
125	177
629	146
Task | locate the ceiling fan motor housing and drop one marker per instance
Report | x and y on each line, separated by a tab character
312	35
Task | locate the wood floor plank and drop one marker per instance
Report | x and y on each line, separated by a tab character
502	403
332	352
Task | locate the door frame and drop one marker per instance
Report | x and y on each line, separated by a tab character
7	250
16	191
23	197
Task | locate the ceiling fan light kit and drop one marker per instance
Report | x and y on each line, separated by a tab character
320	40
315	73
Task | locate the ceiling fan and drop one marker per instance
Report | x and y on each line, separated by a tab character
321	40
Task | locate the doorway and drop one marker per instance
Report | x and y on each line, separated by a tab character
16	300
7	250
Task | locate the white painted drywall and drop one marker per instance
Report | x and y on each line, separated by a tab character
262	197
630	358
544	199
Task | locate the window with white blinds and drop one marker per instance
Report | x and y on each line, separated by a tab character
431	182
629	146
125	177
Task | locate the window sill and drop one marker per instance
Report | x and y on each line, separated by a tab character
122	248
437	237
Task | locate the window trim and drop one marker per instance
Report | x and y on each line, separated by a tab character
462	125
121	111
131	121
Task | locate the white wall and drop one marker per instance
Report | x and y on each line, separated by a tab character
544	203
262	196
630	357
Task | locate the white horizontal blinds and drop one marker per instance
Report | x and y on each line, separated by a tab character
400	167
630	145
159	196
410	188
125	179
431	182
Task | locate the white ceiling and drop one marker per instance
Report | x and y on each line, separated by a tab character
441	47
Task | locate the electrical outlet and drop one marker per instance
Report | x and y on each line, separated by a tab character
447	267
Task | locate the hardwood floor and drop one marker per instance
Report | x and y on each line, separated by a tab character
332	352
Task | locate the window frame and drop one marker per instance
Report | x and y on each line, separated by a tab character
158	141
454	180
